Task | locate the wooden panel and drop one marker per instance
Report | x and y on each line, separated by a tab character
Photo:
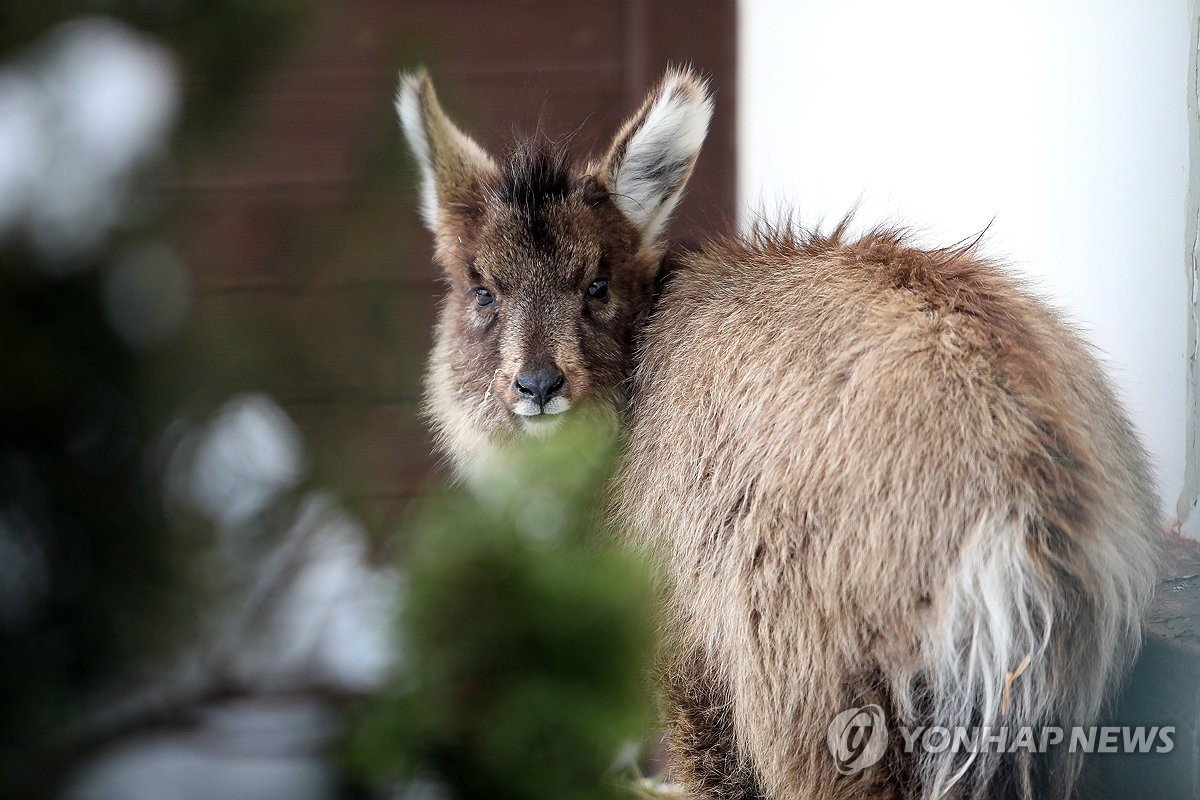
365	450
379	37
291	237
702	33
250	239
300	134
365	342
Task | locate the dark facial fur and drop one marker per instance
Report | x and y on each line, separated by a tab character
541	234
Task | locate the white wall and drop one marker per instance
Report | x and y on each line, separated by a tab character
1064	121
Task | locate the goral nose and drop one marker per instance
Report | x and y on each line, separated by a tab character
540	385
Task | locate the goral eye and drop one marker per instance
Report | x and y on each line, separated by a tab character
598	290
484	298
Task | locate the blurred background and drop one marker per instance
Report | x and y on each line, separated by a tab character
219	514
219	574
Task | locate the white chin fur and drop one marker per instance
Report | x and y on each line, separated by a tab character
557	405
541	425
528	408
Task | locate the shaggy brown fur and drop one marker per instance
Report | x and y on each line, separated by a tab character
873	474
916	451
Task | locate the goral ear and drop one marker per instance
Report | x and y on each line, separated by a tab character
653	154
454	168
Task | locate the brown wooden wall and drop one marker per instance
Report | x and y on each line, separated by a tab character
312	273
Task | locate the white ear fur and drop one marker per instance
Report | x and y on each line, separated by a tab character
450	161
408	107
653	155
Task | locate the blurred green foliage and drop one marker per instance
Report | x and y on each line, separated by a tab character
527	634
92	583
86	590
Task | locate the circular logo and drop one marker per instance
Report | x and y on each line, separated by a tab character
857	738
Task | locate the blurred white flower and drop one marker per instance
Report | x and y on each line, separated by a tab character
327	616
247	750
79	114
249	453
